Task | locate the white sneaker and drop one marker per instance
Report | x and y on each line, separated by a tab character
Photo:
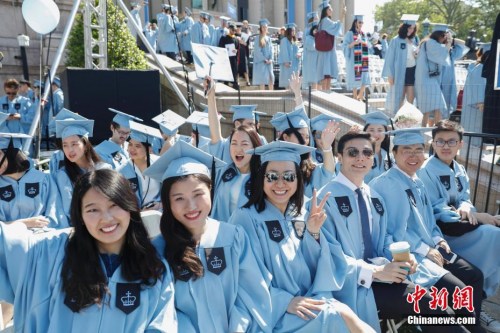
489	323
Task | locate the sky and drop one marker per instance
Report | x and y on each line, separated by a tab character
367	8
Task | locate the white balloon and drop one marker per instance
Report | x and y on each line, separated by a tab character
41	15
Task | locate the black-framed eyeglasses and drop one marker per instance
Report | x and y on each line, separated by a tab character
450	143
11	93
354	152
287	176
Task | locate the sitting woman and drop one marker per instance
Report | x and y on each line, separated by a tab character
215	270
288	245
25	192
139	149
79	158
102	276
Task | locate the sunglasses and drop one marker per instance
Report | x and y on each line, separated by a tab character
287	176
354	152
11	93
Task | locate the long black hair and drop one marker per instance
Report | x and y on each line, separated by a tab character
180	248
403	31
16	160
83	277
72	169
258	196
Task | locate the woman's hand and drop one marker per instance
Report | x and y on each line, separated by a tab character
317	215
329	134
35	222
303	307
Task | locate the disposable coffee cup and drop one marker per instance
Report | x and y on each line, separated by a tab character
400	251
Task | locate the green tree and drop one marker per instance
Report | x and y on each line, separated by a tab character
122	49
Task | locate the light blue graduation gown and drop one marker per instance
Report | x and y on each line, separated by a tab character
221	208
218	33
166	37
211	31
56	162
200	33
232	295
58	101
472	118
64	188
262	72
319	178
379	166
327	61
187	25
309	62
349	65
450	187
428	89
128	171
29	196
410	218
151	36
112	154
385	47
288	54
343	225
298	266
30	277
395	67
448	80
21	105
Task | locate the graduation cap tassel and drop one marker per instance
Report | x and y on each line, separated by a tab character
296	132
212	176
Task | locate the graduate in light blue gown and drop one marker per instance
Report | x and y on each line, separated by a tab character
221	31
167	42
376	124
146	189
327	67
448	186
448	80
102	276
114	150
379	283
294	127
289	57
169	123
410	218
187	25
318	125
199	32
287	242
310	54
25	192
473	99
151	33
18	107
263	58
211	29
400	64
433	55
79	158
57	96
355	46
222	287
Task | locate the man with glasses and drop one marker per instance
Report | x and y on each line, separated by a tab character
17	107
114	150
357	219
471	234
410	218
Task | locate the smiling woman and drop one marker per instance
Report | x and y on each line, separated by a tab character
102	275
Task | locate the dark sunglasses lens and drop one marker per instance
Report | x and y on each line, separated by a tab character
271	177
353	152
367	152
289	177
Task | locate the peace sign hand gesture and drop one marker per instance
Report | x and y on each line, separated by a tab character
317	215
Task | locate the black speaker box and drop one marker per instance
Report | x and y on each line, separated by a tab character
91	92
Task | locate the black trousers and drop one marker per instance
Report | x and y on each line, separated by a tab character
391	303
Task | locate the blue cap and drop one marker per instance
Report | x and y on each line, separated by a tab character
187	11
204	15
37	83
281	151
175	10
324	5
298	118
245	112
376	118
67	114
312	16
319	123
122	118
57	81
69	127
264	21
485	47
410	19
182	159
291	26
359	17
409	136
440	27
200	121
169	122
143	133
224	19
7	138
166	6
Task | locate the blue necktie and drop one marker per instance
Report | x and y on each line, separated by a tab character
365	226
